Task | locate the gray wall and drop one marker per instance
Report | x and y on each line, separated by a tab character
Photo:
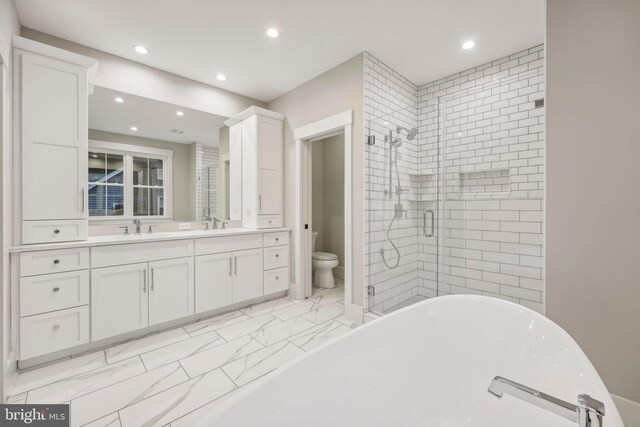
184	178
593	192
333	92
328	195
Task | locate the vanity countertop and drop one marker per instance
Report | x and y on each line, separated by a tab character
145	237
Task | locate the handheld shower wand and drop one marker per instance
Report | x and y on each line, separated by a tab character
394	144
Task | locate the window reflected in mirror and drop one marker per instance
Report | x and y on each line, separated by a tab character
106	192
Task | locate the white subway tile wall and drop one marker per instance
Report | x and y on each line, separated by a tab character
479	164
208	184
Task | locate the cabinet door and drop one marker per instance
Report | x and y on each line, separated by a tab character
213	281
269	155
269	192
171	289
119	300
247	275
270	143
249	171
235	172
54	139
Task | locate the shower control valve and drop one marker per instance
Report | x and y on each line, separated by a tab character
399	210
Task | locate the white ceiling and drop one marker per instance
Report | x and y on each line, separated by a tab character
154	119
421	39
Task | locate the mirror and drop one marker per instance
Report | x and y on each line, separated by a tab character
154	160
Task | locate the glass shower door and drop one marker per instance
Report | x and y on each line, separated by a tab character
401	213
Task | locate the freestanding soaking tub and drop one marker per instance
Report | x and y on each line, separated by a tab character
426	365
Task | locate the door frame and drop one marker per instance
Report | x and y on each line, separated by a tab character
303	136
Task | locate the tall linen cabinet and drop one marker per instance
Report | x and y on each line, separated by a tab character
51	141
256	157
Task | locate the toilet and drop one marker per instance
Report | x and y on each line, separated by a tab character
323	264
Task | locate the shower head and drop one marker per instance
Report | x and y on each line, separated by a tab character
411	133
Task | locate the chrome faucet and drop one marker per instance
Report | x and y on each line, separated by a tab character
216	221
587	413
138	225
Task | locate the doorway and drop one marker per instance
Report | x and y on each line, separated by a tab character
302	234
327	214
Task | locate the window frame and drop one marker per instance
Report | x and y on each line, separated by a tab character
129	151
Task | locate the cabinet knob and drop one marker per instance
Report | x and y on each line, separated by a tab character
56	231
277	239
56	289
277	278
269	221
277	255
56	327
56	261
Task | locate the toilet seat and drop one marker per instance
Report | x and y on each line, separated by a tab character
324	256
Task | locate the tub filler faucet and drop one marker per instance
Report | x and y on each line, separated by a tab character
587	413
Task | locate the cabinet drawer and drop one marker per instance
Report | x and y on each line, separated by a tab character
276	257
131	253
214	245
276	280
54	231
276	239
56	261
49	292
46	333
269	221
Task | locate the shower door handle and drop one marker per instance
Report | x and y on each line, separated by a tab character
424	223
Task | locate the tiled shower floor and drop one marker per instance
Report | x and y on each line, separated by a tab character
176	377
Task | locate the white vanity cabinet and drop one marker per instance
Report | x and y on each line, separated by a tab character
228	270
256	136
54	300
76	299
131	296
119	300
247	277
51	113
276	262
171	289
214	281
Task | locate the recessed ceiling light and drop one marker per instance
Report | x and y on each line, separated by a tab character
179	113
119	99
133	128
141	49
469	44
221	77
273	33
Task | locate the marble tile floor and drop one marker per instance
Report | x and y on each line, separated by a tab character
176	377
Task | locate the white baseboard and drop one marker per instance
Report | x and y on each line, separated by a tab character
629	411
355	313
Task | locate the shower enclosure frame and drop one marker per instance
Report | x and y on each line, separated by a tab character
302	238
